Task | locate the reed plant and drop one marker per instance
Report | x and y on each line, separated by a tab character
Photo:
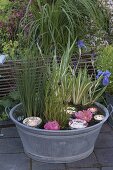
58	88
30	80
85	89
52	20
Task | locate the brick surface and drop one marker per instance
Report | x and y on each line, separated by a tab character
105	156
14	162
91	161
10	132
104	140
11	145
45	166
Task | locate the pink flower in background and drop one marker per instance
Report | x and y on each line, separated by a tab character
84	115
52	125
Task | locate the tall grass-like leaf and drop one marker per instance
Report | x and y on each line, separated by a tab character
81	84
52	20
85	91
58	88
30	84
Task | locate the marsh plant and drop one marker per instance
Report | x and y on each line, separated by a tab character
58	87
85	89
47	90
30	81
52	20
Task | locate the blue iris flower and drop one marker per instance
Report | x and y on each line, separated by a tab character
80	44
105	81
100	73
106	74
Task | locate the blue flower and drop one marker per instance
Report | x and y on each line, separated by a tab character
80	44
106	74
100	73
105	81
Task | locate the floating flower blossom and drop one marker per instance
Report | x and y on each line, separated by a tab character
84	115
52	125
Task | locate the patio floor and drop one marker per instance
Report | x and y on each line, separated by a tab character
12	156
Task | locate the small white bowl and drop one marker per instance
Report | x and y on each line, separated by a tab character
77	124
32	121
70	110
99	117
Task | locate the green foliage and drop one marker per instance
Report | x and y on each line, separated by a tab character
105	62
11	14
10	48
52	21
4	3
5	7
55	106
30	83
8	102
3	116
58	88
85	91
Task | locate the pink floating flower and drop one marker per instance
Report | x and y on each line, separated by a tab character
52	125
84	115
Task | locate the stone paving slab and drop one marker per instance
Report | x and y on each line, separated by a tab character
84	169
106	128
45	166
14	162
91	161
107	168
105	156
11	145
104	140
10	132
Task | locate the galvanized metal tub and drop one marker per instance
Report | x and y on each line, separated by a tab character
62	146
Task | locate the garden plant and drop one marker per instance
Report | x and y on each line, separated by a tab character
59	100
105	62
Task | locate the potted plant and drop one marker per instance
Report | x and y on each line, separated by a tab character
104	62
61	137
48	92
